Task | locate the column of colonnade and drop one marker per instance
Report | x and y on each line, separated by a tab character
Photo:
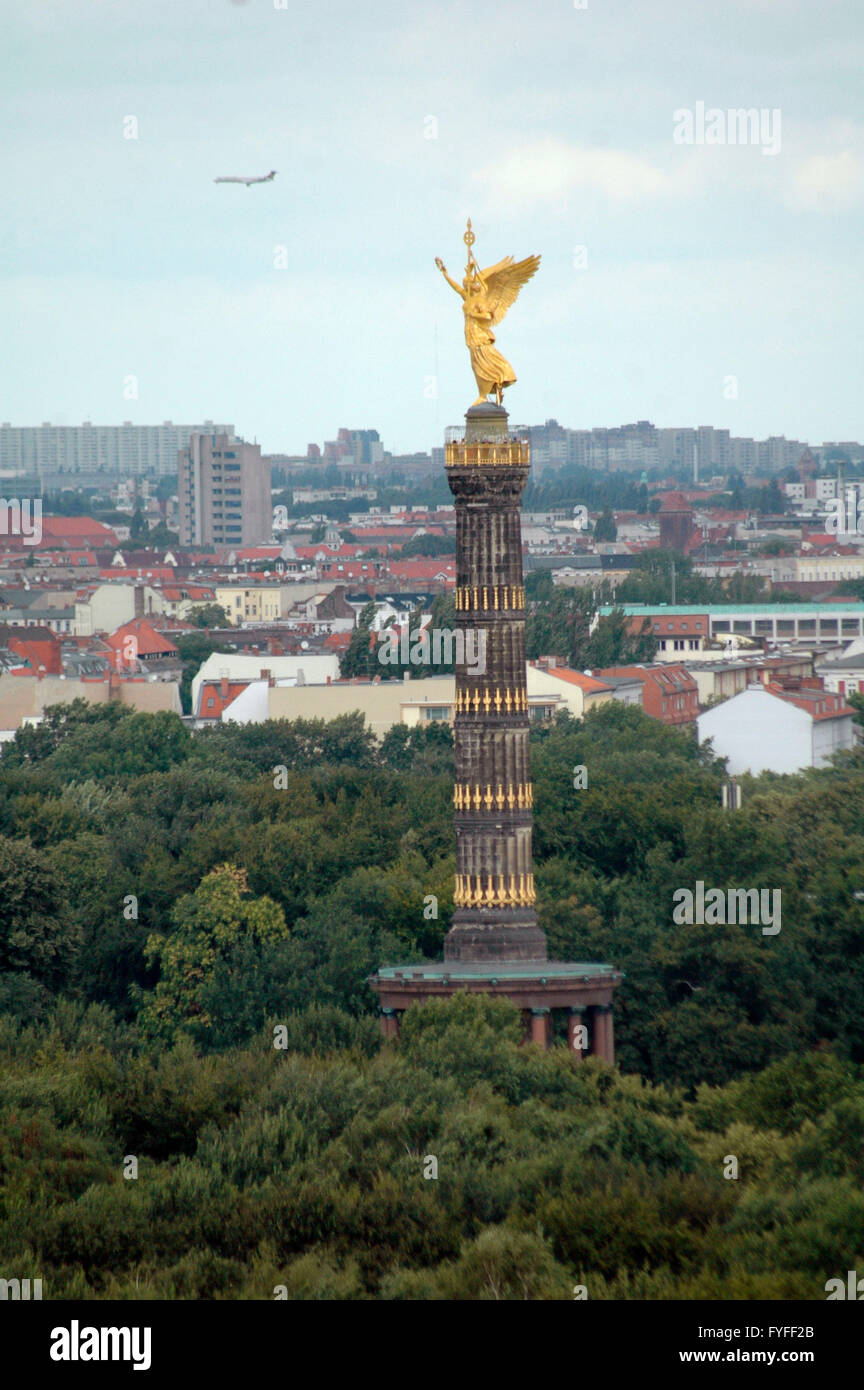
596	1021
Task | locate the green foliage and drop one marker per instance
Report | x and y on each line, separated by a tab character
99	742
210	926
359	657
304	1172
194	649
208	615
605	529
428	546
559	624
265	903
33	938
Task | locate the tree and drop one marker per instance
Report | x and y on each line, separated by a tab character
161	538
359	656
606	530
138	528
558	622
194	649
431	546
35	936
775	546
208	615
614	644
210	925
856	700
103	742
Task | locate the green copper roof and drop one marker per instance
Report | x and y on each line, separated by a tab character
742	610
496	970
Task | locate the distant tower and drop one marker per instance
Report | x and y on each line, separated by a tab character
494	898
676	522
495	944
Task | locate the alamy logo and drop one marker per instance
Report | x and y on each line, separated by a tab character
844	517
721	906
444	646
22	518
19	1289
853	1288
737	126
76	1343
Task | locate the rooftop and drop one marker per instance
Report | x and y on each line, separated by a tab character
541	970
743	610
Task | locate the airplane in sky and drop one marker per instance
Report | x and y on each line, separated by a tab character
263	178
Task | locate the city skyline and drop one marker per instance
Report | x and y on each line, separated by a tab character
673	274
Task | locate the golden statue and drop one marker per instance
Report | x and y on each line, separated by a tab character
486	297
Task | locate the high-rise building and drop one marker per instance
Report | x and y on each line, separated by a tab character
224	492
354	449
127	449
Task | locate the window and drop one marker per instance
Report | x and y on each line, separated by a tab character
438	712
541	711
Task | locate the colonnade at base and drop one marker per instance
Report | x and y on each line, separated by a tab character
590	1029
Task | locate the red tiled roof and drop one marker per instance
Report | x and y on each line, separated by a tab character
819	704
674	625
587	683
195	593
259	552
123	574
148	642
78	528
423	569
212	691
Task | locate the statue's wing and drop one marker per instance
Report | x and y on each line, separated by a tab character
504	281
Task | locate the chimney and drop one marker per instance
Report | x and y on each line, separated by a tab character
139	600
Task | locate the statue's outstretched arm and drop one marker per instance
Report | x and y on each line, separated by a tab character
442	267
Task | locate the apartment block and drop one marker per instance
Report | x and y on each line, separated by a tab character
224	492
127	449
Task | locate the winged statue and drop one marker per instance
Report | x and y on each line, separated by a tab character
486	296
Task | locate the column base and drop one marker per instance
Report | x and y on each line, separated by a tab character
470	938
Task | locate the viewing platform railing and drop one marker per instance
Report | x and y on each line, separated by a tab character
494	451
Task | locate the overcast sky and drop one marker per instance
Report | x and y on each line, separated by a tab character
553	130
